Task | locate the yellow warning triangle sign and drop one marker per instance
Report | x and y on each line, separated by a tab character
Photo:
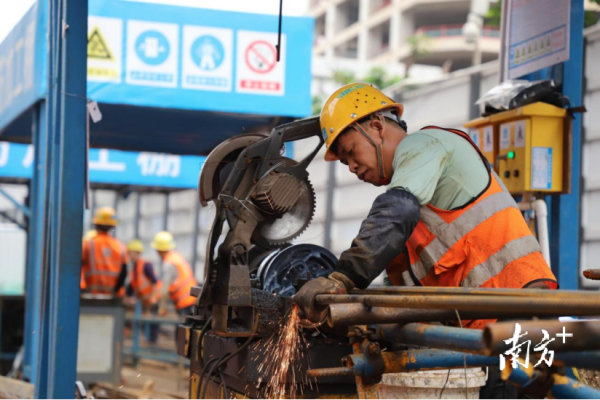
518	55
541	43
535	47
548	41
97	47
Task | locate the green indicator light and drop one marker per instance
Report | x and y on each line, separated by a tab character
511	155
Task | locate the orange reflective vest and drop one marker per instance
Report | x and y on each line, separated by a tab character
485	243
141	285
102	257
179	290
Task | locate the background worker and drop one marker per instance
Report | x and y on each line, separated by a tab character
177	275
143	283
104	259
446	219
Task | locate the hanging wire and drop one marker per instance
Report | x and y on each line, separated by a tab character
278	46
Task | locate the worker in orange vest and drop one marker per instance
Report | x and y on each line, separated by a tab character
104	259
143	283
446	219
142	279
177	275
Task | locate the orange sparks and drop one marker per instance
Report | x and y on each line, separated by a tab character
285	354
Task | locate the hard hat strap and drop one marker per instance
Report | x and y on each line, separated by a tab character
383	179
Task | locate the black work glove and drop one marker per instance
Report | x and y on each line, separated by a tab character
336	283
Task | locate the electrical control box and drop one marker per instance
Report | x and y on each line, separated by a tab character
532	147
483	133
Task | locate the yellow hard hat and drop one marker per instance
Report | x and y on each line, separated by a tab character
350	104
105	216
90	234
135	245
163	241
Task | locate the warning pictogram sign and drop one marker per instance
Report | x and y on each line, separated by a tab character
104	49
257	68
97	47
261	56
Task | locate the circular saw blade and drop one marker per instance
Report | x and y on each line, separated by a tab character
284	229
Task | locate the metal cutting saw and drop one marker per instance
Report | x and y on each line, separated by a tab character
263	200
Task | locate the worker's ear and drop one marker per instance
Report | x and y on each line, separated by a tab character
377	128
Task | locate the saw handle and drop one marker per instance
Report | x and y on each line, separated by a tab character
269	148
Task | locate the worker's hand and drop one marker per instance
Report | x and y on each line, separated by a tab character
305	298
162	311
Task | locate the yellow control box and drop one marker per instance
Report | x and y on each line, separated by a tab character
530	143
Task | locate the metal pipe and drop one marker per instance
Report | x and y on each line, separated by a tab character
563	387
327	372
574	306
434	336
433	290
357	314
563	336
593	274
418	360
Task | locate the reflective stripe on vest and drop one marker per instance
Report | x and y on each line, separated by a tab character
447	235
101	280
179	291
473	245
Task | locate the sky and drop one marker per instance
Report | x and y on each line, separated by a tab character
11	11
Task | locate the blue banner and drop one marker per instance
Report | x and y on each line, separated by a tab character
190	58
23	65
114	167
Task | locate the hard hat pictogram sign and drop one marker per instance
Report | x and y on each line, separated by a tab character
261	56
97	47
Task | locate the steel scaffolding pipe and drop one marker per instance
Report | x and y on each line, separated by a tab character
562	388
537	306
467	291
358	314
434	336
563	336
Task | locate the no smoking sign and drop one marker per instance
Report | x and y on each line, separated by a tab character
257	68
261	56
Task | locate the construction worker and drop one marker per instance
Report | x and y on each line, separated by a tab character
143	283
104	259
142	279
446	219
177	275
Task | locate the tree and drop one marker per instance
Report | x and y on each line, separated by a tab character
343	76
317	103
378	77
492	19
419	46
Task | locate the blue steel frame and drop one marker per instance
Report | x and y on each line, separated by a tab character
25	210
565	209
57	205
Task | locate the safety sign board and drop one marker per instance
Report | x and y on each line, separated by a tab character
113	167
520	133
207	58
152	53
488	138
104	49
474	134
257	68
505	136
538	35
541	172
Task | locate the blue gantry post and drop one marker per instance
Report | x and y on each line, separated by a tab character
65	153
565	209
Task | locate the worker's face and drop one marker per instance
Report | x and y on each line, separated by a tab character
162	254
134	256
355	151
